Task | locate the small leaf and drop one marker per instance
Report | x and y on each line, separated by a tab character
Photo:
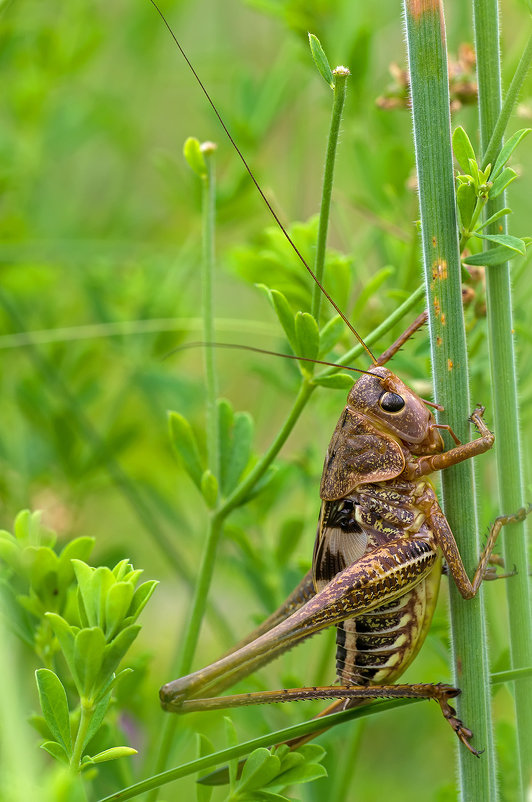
494	256
194	157
507	150
320	59
259	769
204	747
307	338
80	549
338	381
493	219
185	445
98	715
88	656
209	488
65	634
141	597
54	706
115	651
286	318
55	750
330	334
473	169
117	602
501	182
242	440
514	243
113	754
462	148
466	200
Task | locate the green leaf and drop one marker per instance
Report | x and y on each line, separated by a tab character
466	200
286	317
113	754
305	773
204	747
117	602
462	148
98	715
194	157
242	440
259	769
55	750
141	597
308	338
507	150
185	445
88	656
338	381
514	243
115	651
54	706
209	488
79	549
65	634
320	59
501	182
493	219
330	334
473	169
494	256
232	740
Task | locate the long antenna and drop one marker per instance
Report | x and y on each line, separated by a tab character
263	196
237	346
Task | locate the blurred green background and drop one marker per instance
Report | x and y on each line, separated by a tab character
100	244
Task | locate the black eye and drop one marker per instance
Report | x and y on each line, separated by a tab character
391	402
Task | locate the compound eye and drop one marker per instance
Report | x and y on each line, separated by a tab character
391	402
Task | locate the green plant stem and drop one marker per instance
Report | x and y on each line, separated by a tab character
495	138
87	711
208	263
233	752
441	260
340	87
504	379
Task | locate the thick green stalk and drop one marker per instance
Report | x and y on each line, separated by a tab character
441	260
340	85
504	383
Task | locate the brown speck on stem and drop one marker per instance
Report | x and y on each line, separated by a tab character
439	269
439	340
436	303
419	7
434	242
443	318
450	364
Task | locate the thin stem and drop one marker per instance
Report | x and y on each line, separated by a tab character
340	87
208	264
441	261
495	139
504	379
233	752
87	711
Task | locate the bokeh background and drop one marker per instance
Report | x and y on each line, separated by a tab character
100	244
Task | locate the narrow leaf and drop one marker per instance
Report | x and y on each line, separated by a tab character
307	336
113	754
495	256
466	200
507	150
501	182
54	706
185	445
286	317
320	59
338	381
55	750
88	656
493	219
330	334
242	438
194	157
514	243
209	488
462	148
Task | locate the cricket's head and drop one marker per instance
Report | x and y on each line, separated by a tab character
393	406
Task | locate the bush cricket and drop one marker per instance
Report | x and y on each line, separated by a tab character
378	555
